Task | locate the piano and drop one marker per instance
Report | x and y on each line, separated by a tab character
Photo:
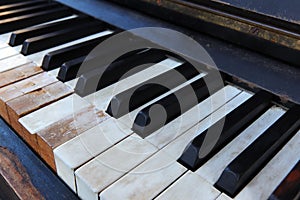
144	99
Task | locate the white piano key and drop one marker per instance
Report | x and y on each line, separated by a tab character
108	167
147	180
87	146
5	37
223	197
53	72
190	118
7	52
214	167
13	62
176	147
102	98
266	181
38	57
189	187
72	83
54	112
3	44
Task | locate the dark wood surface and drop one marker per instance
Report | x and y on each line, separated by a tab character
23	174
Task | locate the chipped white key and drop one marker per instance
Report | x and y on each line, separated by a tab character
147	180
214	167
7	52
176	147
169	132
13	62
52	113
87	146
102	98
38	57
111	165
189	187
266	181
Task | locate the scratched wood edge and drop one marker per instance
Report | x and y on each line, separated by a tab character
25	175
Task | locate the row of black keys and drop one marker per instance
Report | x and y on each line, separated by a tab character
38	38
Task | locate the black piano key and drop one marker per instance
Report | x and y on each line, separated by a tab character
92	82
33	19
26	11
235	122
138	95
8	2
21	5
244	167
18	37
70	70
289	188
56	58
148	121
43	42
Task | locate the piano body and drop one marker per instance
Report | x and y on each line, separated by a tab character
76	124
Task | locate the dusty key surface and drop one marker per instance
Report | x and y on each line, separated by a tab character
19	73
65	129
108	167
20	88
29	102
190	186
86	146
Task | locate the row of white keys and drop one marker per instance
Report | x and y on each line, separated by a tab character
107	133
66	163
111	165
19	59
266	181
89	188
175	149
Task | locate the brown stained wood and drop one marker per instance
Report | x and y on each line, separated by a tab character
20	88
19	73
32	101
62	131
16	176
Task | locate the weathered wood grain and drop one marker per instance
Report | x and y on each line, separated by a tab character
21	88
19	73
62	131
32	101
16	176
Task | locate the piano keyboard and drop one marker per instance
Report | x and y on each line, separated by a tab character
101	150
